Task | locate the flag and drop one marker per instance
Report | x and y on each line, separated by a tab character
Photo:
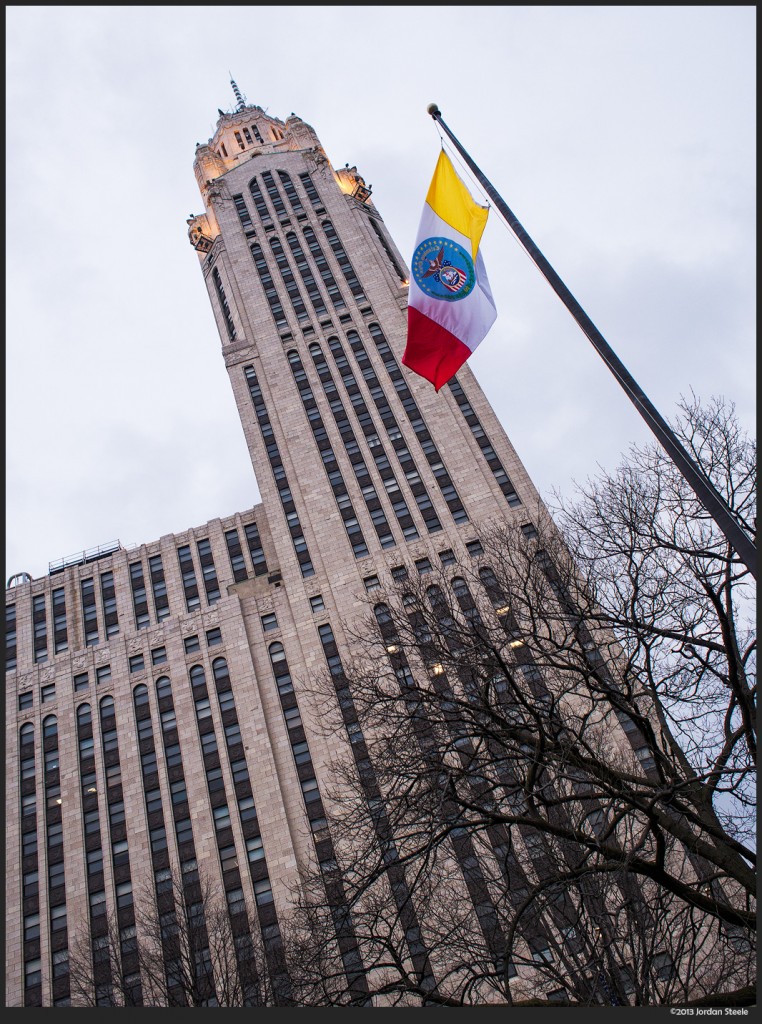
450	305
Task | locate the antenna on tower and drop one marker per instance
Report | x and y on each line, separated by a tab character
238	96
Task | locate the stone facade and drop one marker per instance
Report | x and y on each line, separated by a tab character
361	466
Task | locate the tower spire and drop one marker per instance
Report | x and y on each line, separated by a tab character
238	96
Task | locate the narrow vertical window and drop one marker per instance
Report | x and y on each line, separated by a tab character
139	596
235	554
307	276
275	196
188	572
260	204
10	637
159	587
89	612
229	325
291	193
312	192
329	281
271	292
39	628
108	596
211	584
387	249
60	633
489	453
243	215
297	302
343	260
256	551
276	464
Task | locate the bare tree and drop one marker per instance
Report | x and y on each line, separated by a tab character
189	948
561	737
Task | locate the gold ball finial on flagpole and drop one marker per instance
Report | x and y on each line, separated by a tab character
433	109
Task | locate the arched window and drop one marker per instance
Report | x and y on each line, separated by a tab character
84	715
50	726
277	653
26	733
140	695
163	687
382	613
107	706
220	670
197	676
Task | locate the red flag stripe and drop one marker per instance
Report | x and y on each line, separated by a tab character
432	351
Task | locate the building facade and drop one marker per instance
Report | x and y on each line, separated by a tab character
155	722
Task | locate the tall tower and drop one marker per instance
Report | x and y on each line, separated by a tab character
157	724
310	297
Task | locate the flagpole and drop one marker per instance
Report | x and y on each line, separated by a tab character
702	487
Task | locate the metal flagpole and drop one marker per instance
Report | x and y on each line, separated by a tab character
703	488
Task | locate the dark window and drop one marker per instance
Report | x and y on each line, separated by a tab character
235	554
158	655
40	629
108	596
188	572
208	571
269	622
139	596
159	587
10	637
60	634
224	307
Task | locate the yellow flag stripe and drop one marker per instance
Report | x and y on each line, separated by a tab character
450	199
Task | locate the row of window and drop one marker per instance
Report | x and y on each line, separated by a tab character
81	680
298	255
53	634
252	136
279	474
483	441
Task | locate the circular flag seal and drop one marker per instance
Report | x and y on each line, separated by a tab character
443	269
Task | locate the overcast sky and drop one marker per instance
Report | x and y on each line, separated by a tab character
623	138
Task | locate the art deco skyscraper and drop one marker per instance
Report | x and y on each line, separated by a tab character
155	720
